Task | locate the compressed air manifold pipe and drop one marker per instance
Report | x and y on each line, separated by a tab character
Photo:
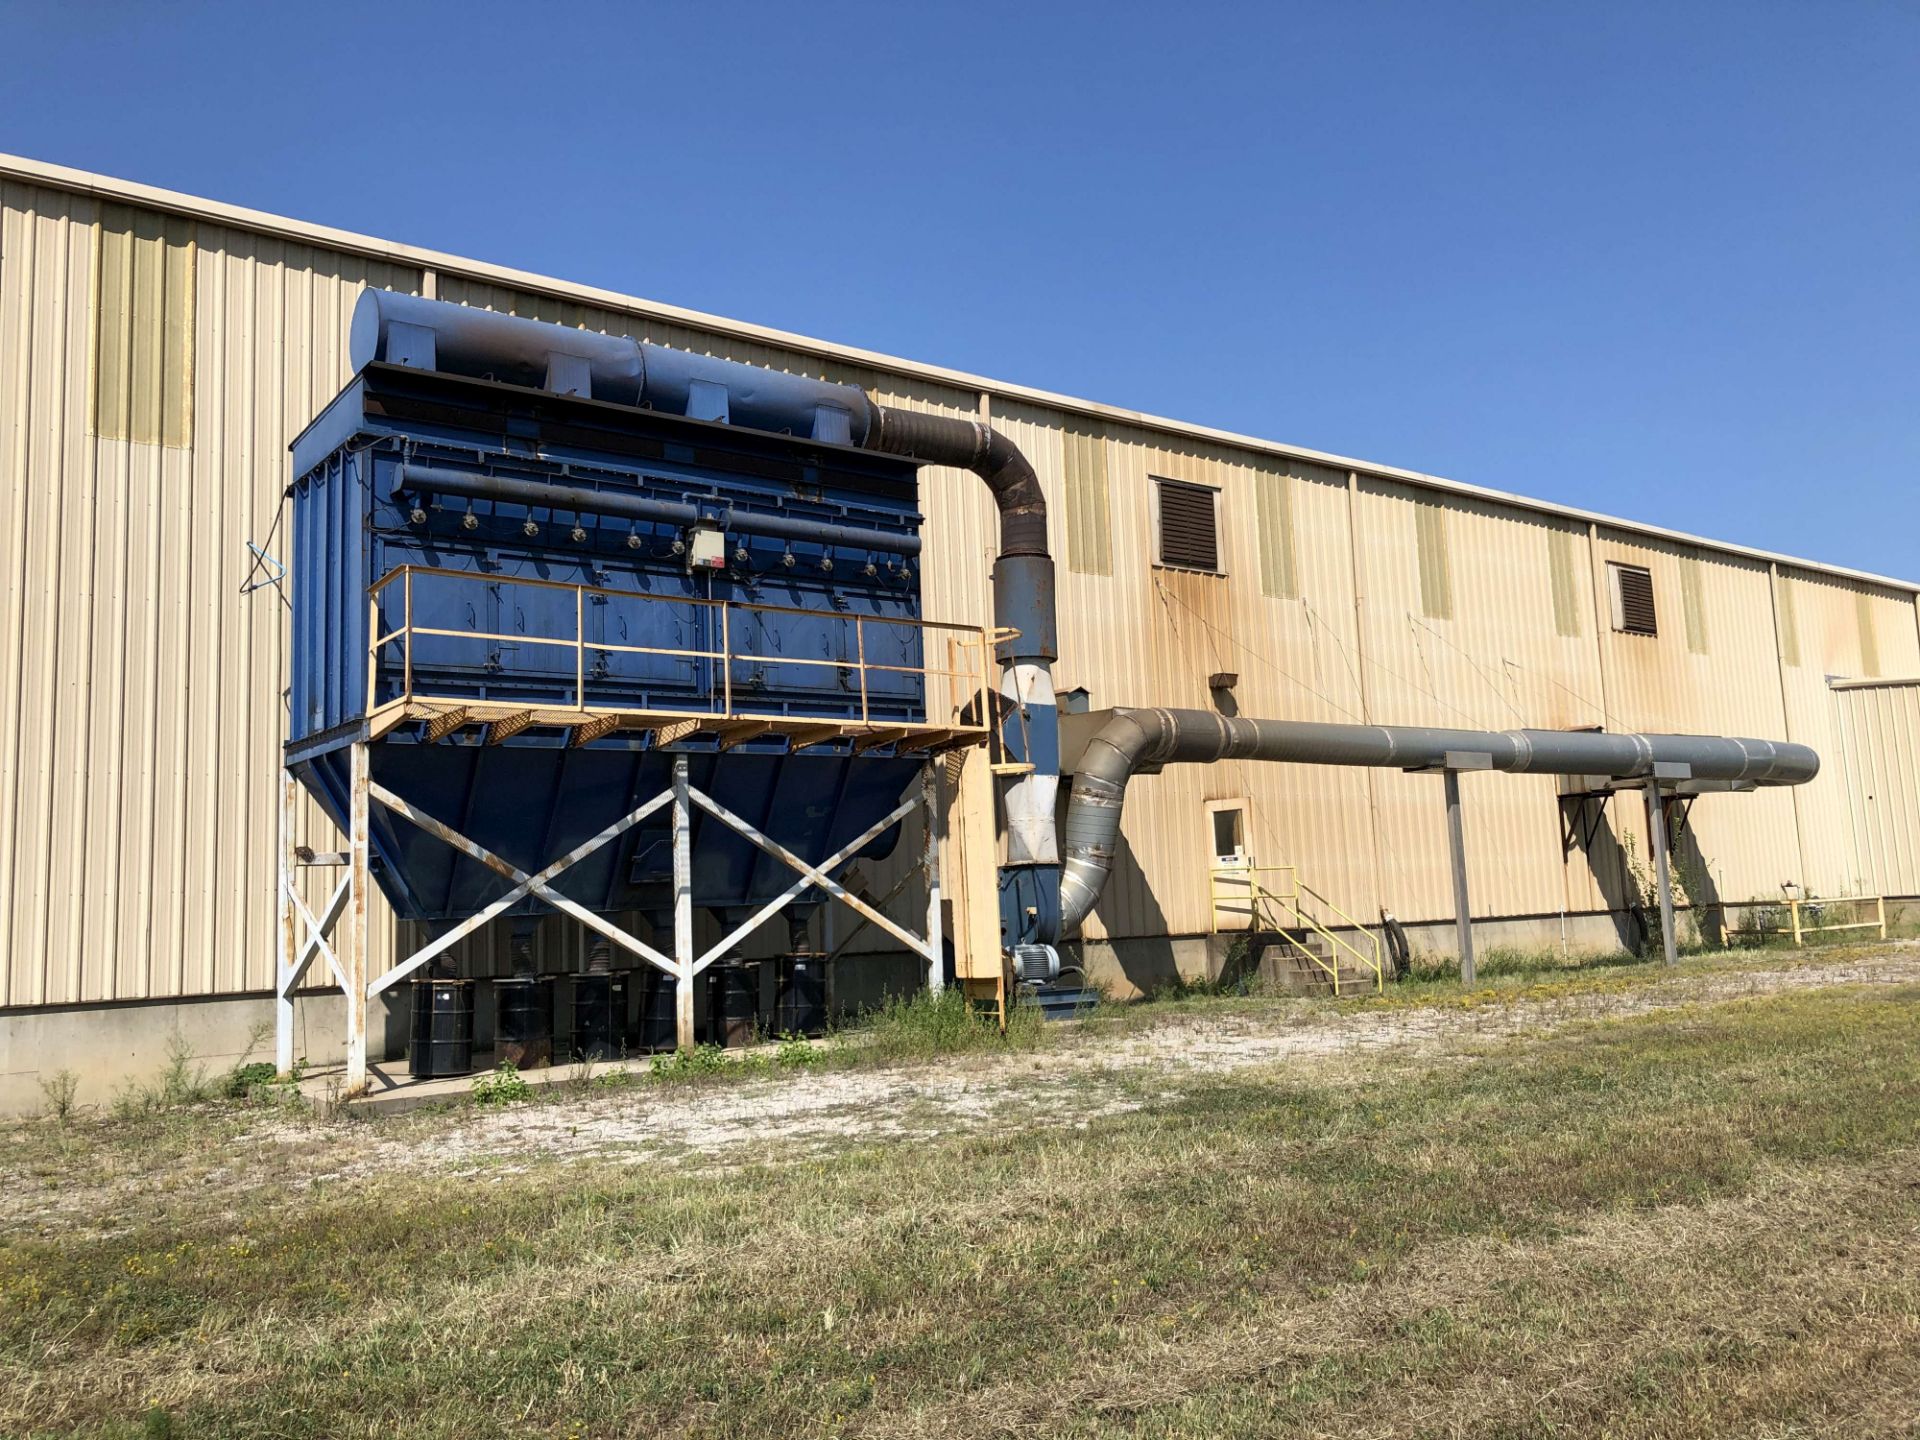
434	480
1133	738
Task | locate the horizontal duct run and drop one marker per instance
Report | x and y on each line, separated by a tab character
433	480
1131	739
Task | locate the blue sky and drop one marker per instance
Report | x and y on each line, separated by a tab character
1658	260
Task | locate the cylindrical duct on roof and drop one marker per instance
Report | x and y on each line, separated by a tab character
461	340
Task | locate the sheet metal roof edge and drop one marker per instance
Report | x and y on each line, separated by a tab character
62	177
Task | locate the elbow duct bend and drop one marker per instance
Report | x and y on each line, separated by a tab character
1134	738
1023	599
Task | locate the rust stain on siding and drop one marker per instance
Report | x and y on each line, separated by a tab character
1089	522
1436	567
1273	495
1565	569
143	327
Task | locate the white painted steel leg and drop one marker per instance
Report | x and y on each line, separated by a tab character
1457	847
930	803
682	904
283	970
354	953
1662	875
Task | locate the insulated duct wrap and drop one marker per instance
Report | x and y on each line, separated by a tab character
1135	738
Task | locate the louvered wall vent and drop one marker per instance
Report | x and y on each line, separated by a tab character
1188	537
1633	600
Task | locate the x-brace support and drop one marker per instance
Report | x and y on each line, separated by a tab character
523	885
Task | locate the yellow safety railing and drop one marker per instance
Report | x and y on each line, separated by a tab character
1277	906
962	689
1804	917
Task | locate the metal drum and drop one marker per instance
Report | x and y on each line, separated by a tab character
659	996
442	1028
733	1003
523	1022
800	995
599	1016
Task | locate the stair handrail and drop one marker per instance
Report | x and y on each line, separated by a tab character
1238	871
1241	870
1369	958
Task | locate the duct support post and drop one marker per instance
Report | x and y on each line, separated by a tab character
682	905
1456	761
359	929
1657	839
930	800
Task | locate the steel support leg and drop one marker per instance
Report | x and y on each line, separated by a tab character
1662	877
930	802
354	954
1457	847
283	971
683	956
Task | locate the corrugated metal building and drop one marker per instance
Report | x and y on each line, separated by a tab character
157	353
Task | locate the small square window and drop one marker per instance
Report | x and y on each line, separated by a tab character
1189	537
1229	833
1632	587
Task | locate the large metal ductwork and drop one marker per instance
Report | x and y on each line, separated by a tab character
458	339
438	335
1133	739
1023	599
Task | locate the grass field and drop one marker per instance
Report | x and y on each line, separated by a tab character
1702	1218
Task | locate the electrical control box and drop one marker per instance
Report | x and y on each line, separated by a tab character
706	548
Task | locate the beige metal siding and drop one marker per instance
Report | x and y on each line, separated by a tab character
1741	845
139	719
1563	557
1436	565
1497	663
1274	491
143	314
1785	620
1693	604
1879	757
141	711
1837	620
1863	611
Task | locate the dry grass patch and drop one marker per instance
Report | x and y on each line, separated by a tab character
1691	1223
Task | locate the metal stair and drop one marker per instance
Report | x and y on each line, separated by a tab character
1290	946
1303	962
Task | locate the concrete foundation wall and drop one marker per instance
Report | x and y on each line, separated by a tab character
113	1049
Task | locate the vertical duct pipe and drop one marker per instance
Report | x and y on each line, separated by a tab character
1023	599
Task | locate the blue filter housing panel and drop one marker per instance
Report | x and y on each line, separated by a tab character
532	518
